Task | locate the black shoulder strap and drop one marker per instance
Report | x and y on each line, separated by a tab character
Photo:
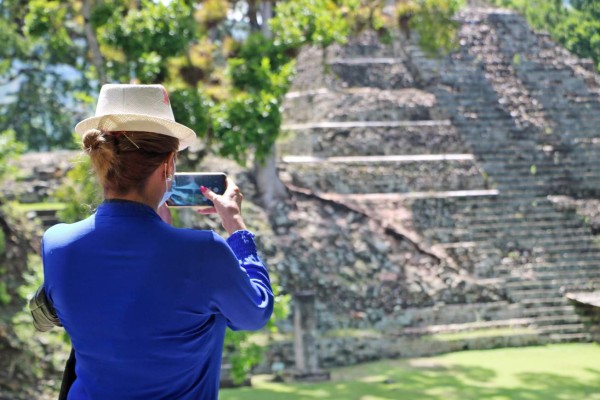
69	377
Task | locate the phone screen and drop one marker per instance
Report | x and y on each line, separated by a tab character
186	188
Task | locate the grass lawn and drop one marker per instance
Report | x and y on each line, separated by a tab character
25	207
565	371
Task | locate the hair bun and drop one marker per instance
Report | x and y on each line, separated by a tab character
92	140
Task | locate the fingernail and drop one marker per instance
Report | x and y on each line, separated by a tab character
202	189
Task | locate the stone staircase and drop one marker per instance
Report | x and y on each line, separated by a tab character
516	114
460	154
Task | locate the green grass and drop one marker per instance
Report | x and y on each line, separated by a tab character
556	372
25	207
481	333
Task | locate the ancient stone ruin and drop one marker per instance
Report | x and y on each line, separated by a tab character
442	196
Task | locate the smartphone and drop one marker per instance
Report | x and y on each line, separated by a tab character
186	188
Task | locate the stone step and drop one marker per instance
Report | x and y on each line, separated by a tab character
366	141
532	293
359	104
535	312
549	262
543	167
576	264
569	337
562	329
525	176
567	248
517	217
366	61
580	190
570	256
493	211
520	295
555	320
469	326
547	228
47	218
543	276
372	199
530	218
544	302
383	174
365	44
552	284
522	238
381	73
365	124
365	160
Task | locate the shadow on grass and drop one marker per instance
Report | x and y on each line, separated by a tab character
428	383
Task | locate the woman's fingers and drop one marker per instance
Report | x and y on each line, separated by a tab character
207	211
228	206
209	194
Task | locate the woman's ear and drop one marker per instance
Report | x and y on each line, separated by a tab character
171	164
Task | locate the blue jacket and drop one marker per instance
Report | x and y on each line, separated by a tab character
146	304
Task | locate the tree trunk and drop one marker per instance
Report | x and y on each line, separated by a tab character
270	188
92	40
252	17
266	12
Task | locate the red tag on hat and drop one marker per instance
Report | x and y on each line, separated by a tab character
166	96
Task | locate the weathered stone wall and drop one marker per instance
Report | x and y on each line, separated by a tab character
349	350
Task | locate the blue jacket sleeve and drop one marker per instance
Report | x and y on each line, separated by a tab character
243	291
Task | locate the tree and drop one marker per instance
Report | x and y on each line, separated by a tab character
40	64
577	27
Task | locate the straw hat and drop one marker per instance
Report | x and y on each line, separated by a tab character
136	108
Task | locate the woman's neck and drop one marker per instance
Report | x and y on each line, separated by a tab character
131	196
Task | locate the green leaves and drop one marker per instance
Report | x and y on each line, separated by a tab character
318	22
10	149
577	28
46	24
432	20
80	192
147	37
191	108
247	121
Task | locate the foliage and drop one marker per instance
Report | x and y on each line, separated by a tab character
318	22
29	357
247	120
244	353
577	27
191	107
40	62
2	242
80	192
5	297
433	21
46	21
10	149
55	345
146	38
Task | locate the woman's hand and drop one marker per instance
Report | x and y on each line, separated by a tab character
228	206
